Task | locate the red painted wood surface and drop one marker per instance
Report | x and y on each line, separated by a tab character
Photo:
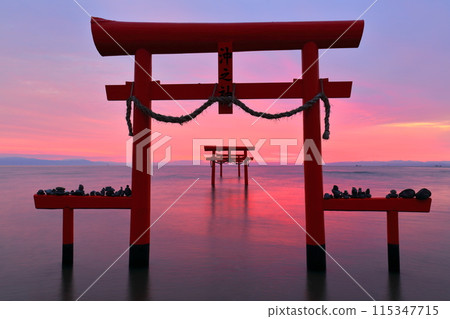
226	159
314	216
392	228
67	233
209	148
353	204
242	90
378	204
230	155
81	202
167	38
140	180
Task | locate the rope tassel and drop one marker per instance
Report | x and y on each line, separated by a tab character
228	99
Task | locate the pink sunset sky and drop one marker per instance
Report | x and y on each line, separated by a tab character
53	102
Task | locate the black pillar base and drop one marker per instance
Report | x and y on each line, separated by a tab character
67	254
139	256
394	257
316	258
139	284
316	286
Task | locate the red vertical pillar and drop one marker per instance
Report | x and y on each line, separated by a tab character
221	168
315	225
393	241
67	234
140	207
239	168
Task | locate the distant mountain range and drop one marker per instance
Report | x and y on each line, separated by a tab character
24	161
393	163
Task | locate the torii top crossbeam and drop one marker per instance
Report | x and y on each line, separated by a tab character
167	38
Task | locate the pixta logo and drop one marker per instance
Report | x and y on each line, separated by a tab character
145	144
309	150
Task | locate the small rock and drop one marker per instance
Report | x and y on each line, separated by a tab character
423	194
98	194
392	194
49	191
336	192
93	193
40	192
327	196
361	194
59	191
120	192
80	190
109	191
407	193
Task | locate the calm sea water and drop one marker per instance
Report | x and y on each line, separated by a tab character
226	244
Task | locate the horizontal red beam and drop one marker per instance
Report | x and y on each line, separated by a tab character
81	202
123	38
226	157
378	204
242	91
237	159
210	148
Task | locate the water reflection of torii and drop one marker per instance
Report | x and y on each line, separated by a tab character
225	195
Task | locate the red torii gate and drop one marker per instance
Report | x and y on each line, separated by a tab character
144	39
